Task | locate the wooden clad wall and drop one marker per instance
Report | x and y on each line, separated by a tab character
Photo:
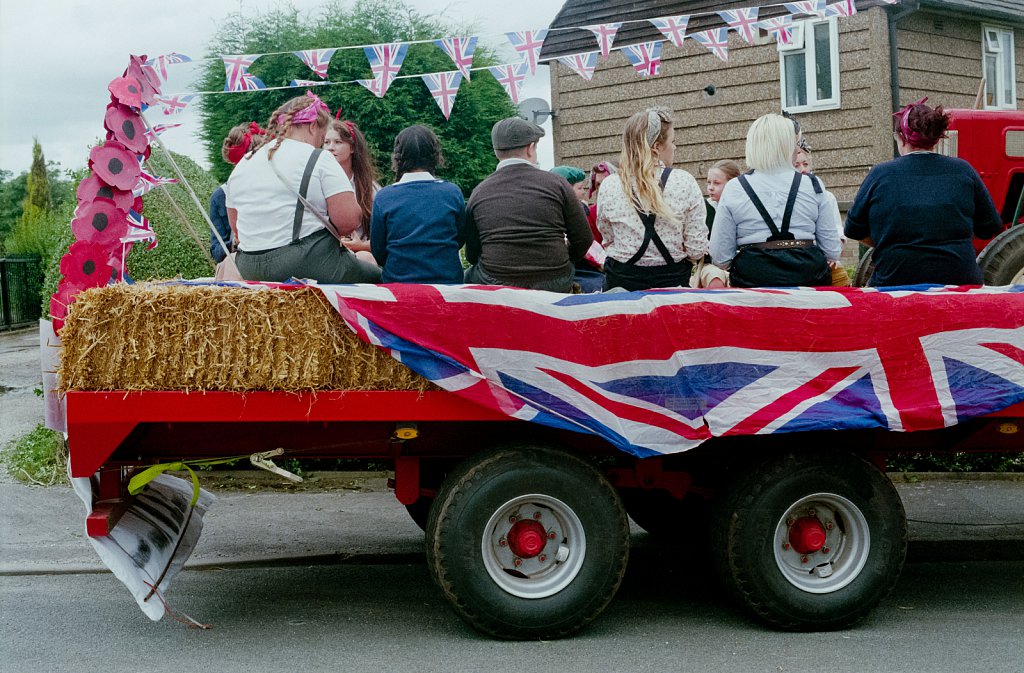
847	141
940	57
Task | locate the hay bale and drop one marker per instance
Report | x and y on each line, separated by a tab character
179	337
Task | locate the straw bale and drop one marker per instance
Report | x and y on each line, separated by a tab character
151	336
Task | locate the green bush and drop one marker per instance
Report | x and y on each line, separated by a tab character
38	457
956	462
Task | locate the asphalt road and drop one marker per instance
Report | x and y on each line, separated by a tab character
948	617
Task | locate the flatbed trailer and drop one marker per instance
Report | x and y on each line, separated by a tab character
526	528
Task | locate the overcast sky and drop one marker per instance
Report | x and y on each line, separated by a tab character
57	57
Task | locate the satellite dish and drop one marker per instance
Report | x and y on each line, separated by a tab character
535	110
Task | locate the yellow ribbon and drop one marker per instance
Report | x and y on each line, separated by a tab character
140	480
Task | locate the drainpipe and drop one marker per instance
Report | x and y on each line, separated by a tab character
894	69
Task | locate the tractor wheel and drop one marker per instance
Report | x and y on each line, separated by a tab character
1002	260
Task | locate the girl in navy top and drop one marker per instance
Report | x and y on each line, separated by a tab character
417	226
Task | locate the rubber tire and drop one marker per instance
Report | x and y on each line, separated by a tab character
744	523
1003	258
482	485
865	267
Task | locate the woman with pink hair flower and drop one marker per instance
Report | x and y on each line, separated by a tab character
291	203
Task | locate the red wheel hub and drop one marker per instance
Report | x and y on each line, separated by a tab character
807	535
527	538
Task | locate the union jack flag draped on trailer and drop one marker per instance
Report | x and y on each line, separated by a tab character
661	372
237	76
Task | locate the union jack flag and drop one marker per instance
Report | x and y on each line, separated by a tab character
157	66
842	8
528	44
605	35
374	86
743	21
316	60
716	40
673	28
385	62
444	86
510	77
712	363
781	27
158	129
147	182
814	8
460	51
175	104
581	64
238	78
139	229
306	83
645	57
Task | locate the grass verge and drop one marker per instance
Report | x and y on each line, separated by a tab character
39	457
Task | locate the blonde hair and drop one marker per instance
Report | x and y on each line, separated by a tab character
638	165
771	142
277	127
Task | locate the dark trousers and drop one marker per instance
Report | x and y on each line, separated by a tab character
319	257
633	278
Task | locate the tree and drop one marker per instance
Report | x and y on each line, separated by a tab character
465	138
37	189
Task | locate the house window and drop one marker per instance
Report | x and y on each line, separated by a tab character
809	65
997	68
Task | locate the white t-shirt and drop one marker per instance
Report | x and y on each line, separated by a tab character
266	207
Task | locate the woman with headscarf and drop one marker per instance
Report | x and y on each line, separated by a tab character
921	210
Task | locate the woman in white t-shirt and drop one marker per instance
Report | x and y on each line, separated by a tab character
280	236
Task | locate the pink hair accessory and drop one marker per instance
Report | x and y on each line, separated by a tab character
914	138
307	115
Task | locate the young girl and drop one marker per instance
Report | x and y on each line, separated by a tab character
651	218
346	142
721	173
417	226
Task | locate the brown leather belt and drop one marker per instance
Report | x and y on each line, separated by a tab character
779	245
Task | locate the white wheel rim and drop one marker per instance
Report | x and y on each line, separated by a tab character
547	572
1019	278
840	559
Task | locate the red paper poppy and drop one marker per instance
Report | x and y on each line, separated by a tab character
127	90
100	222
94	188
127	127
60	301
147	78
86	264
115	165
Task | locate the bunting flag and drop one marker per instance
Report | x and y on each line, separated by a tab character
460	51
842	8
673	28
510	77
139	229
385	62
158	66
159	129
306	83
605	35
236	69
316	60
743	21
175	104
815	8
373	86
528	44
716	40
147	182
645	57
581	64
444	86
780	26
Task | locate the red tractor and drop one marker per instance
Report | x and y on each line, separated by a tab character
993	142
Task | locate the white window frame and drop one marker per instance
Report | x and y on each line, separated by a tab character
802	30
996	40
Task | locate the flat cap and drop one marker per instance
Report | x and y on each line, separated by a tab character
514	132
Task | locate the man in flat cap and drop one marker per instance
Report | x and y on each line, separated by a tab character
524	226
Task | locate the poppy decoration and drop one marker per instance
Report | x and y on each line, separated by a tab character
115	165
126	126
126	90
147	78
94	188
100	222
60	301
86	264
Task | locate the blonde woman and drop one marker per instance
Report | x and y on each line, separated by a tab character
651	218
774	226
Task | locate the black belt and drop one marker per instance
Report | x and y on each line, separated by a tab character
779	245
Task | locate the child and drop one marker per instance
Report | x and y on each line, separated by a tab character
721	173
416	229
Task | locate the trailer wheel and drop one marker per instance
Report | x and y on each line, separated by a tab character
1002	260
810	541
865	267
527	542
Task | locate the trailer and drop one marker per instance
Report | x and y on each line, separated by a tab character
526	523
